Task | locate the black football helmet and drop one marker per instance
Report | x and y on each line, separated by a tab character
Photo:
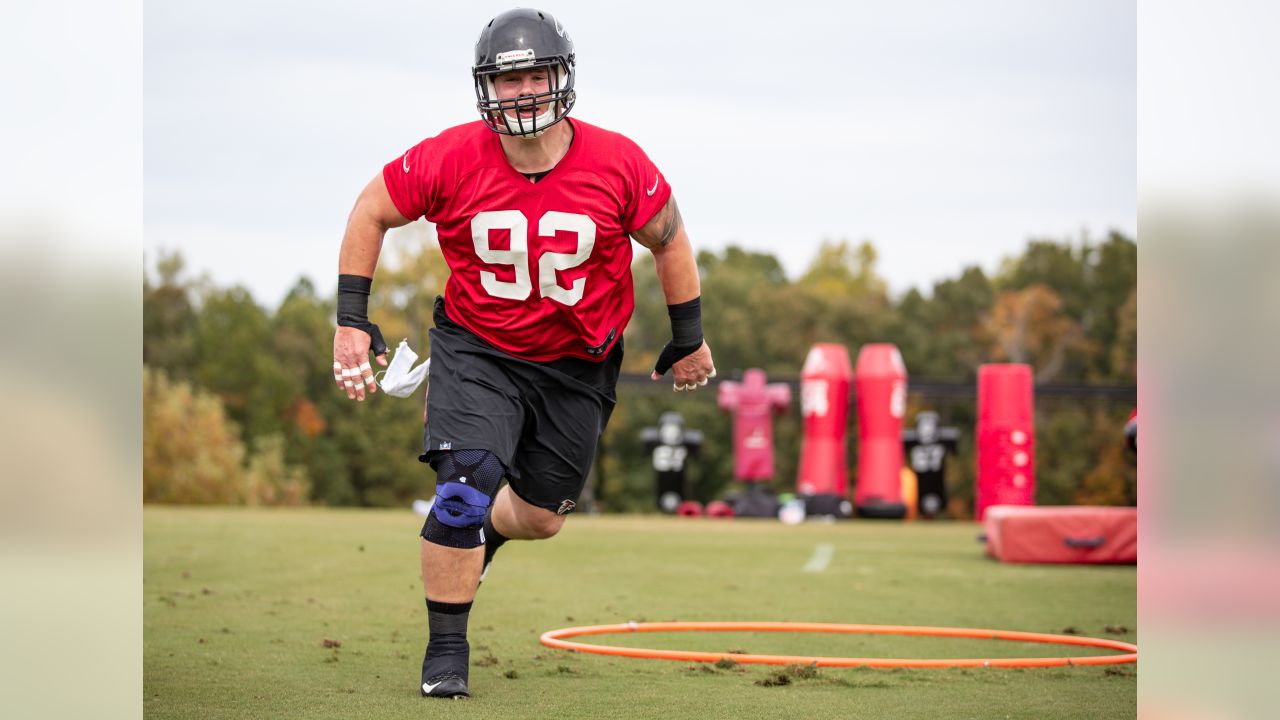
517	40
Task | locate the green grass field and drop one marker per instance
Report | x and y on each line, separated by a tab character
239	605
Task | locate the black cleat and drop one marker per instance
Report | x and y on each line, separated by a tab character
446	686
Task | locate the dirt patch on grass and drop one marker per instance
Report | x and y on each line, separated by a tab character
777	679
789	674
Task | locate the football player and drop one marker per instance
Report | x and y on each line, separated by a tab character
535	213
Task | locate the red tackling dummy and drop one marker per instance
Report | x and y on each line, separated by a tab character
753	403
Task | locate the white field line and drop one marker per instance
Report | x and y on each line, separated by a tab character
821	558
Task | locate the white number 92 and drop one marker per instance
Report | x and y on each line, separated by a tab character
549	263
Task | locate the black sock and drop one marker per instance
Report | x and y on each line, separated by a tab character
447	651
492	538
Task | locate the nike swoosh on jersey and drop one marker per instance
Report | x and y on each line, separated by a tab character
651	190
406	162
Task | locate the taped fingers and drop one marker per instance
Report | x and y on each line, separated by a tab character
348	384
357	382
694	384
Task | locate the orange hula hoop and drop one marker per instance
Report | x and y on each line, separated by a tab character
555	639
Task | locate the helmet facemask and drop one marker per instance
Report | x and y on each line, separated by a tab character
504	115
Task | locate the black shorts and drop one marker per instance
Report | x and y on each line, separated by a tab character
542	419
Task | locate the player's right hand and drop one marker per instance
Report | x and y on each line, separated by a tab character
351	369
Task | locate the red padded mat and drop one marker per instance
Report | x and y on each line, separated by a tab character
1068	534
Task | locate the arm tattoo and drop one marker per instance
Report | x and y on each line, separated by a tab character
671	221
662	229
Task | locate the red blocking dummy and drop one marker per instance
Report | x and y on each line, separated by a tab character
880	381
1006	437
824	401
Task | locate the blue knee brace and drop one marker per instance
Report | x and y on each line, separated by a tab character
466	481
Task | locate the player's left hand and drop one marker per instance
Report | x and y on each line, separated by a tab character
691	371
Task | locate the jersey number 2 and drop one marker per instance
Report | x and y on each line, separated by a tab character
518	256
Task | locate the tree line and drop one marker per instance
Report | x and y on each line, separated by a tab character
240	406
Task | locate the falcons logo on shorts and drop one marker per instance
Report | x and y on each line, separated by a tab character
566	507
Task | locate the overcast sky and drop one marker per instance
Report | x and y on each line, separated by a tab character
947	133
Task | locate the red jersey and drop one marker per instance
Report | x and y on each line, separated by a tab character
539	270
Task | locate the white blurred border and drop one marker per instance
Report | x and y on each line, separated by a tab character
1209	312
1207	103
70	245
70	262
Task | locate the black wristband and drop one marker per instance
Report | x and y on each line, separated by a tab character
353	299
686	334
686	323
353	309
